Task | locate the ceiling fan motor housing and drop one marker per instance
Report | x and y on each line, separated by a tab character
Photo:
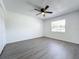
42	9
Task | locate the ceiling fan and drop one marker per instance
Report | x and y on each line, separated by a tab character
43	10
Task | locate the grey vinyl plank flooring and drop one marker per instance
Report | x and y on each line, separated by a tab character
41	48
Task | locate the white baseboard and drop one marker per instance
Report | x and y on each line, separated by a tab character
62	40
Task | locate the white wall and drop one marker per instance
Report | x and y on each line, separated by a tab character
72	28
22	27
2	27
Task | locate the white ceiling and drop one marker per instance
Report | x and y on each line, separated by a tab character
26	7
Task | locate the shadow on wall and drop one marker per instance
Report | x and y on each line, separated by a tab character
2	26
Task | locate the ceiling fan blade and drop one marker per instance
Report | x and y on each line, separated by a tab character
48	12
37	10
38	13
46	7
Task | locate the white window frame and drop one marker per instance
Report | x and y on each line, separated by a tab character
58	25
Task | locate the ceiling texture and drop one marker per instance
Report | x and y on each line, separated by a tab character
26	7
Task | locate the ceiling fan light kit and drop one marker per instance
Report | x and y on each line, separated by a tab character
43	13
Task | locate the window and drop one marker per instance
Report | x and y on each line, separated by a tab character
58	26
